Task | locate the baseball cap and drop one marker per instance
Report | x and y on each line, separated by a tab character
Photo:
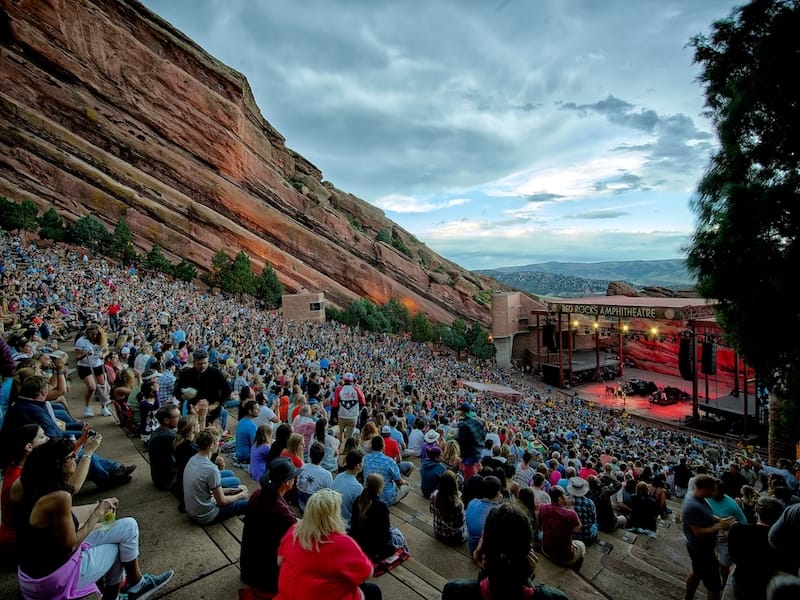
280	471
465	407
386	430
348	377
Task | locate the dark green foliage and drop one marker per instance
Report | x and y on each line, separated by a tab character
121	243
397	315
51	226
479	342
220	264
387	238
184	270
155	260
365	314
268	288
20	215
89	232
745	249
239	278
420	328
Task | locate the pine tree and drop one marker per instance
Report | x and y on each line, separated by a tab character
121	244
51	226
268	288
89	232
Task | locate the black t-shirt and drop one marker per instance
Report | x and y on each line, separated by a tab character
162	458
267	518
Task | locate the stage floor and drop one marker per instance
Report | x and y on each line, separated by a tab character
673	414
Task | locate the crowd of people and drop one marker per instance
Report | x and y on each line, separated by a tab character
330	421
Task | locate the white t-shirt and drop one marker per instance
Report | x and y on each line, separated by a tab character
95	356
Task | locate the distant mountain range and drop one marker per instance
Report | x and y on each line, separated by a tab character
571	280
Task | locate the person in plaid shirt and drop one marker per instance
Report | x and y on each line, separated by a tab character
587	512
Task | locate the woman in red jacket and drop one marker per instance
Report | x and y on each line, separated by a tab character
319	560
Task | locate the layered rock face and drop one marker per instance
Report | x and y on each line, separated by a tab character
108	110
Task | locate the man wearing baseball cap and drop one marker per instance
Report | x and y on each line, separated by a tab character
470	436
267	518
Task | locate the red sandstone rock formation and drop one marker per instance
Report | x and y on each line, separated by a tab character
108	110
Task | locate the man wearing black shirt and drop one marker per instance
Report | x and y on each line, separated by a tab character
162	458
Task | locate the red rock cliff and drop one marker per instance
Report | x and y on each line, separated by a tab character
108	110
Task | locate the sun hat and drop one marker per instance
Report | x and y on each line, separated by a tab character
432	436
577	486
386	430
280	471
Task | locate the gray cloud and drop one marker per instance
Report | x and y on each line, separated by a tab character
543	197
601	213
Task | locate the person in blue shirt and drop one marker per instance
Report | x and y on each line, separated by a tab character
478	509
246	432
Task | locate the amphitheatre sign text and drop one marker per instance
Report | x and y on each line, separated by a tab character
638	312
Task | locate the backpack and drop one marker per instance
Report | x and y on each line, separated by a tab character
126	416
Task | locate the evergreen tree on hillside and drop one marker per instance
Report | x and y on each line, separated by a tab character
268	288
89	232
22	215
397	316
184	270
155	260
220	265
479	342
239	278
51	226
420	328
745	249
121	244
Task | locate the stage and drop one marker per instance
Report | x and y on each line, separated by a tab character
494	389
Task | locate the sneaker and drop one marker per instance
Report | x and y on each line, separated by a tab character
105	412
88	412
148	585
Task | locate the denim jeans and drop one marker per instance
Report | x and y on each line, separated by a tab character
229	510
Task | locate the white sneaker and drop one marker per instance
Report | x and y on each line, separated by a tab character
88	412
105	412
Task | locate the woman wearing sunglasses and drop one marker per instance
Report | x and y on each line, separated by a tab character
62	552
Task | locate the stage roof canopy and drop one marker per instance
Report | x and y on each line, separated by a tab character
686	309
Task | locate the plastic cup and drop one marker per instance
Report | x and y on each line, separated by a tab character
108	520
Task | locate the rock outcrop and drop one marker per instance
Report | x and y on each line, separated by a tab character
109	110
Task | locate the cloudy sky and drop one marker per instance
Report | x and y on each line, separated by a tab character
499	132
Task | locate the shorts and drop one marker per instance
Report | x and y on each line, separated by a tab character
706	566
84	372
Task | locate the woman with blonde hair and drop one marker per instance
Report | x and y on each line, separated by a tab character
90	350
319	560
295	448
